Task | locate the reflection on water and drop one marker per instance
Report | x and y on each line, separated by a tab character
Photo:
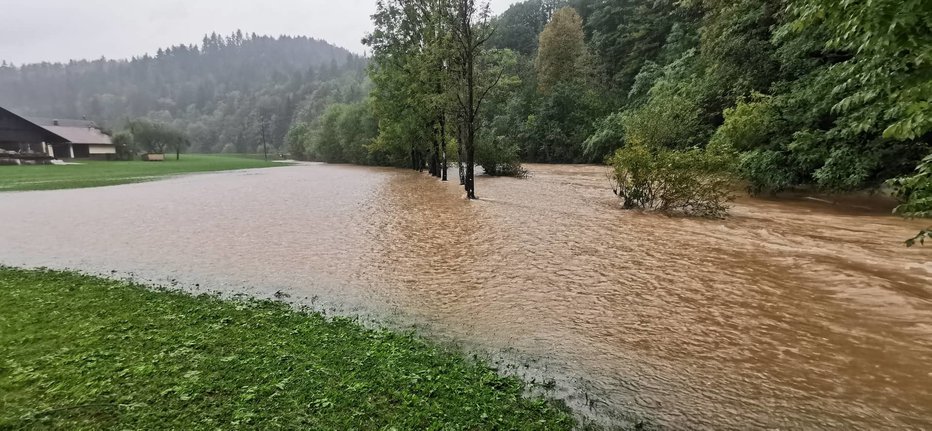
786	315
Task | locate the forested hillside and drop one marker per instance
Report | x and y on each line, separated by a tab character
223	93
789	93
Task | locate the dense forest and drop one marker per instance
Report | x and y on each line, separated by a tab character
778	93
227	94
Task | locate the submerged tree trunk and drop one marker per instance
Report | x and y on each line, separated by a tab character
435	157
470	144
443	147
461	155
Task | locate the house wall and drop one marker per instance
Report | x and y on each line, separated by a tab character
81	151
101	149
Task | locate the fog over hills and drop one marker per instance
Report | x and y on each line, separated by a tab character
90	29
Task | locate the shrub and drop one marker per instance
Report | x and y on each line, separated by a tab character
846	169
915	191
754	123
608	136
125	146
916	194
766	171
498	158
691	182
669	120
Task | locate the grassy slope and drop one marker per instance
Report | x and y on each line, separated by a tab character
101	173
79	352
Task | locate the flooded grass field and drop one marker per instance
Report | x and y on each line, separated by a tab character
788	314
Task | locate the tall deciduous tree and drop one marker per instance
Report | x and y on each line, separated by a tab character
562	53
471	30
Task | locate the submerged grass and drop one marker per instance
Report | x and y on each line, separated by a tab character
92	173
80	352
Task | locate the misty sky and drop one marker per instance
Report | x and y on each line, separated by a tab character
60	30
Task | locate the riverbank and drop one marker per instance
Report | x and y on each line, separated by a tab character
81	352
91	173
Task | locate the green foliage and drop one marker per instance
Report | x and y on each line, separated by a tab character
562	54
766	171
669	120
845	169
562	122
125	146
519	27
297	138
915	191
887	82
343	134
626	34
750	125
79	352
157	137
609	135
499	157
754	128
693	182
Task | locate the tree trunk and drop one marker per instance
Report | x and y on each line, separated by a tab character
461	154
470	58
435	155
443	147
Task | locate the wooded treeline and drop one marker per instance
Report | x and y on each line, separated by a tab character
223	94
791	92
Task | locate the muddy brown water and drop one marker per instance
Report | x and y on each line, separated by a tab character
789	314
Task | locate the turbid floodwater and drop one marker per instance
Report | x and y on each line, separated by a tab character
790	314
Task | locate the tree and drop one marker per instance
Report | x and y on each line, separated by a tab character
125	145
213	92
471	30
407	71
519	27
562	54
157	137
890	65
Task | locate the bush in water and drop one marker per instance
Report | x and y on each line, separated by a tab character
693	182
498	158
916	194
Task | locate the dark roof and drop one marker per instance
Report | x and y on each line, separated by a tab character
64	123
11	130
86	134
73	131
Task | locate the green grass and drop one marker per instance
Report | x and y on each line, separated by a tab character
80	352
103	173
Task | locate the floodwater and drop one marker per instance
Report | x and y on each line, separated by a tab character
788	314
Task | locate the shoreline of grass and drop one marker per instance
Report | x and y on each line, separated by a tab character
83	352
93	173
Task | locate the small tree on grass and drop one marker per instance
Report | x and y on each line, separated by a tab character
125	145
158	137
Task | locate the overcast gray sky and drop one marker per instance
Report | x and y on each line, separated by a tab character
60	30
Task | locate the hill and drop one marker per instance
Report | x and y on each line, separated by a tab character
224	93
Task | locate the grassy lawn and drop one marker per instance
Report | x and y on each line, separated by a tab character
102	173
79	352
